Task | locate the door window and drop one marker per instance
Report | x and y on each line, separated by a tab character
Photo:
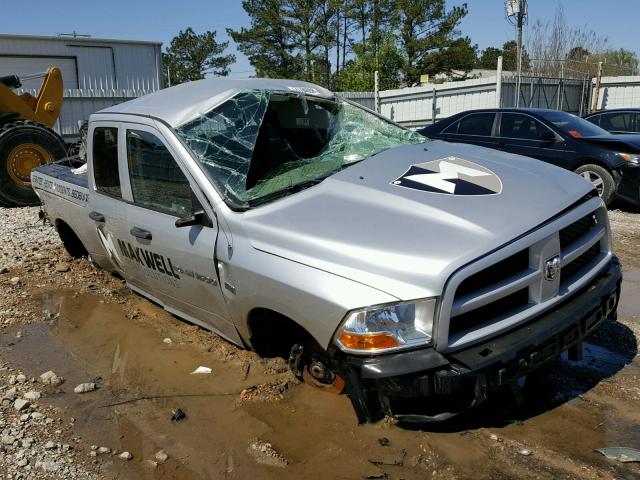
477	124
157	182
618	122
105	161
595	119
517	125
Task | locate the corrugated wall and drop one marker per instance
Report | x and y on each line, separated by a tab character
97	73
415	107
619	92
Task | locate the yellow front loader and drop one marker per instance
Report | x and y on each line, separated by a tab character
26	137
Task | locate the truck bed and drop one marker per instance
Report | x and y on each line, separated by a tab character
59	180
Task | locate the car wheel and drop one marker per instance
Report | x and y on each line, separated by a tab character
601	179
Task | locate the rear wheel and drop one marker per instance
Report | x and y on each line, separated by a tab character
601	179
25	145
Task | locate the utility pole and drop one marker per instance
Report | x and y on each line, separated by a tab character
517	9
596	90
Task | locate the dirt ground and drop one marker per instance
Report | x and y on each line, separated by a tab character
249	418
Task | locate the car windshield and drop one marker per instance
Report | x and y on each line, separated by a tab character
260	145
575	126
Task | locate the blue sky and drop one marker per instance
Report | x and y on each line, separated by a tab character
162	19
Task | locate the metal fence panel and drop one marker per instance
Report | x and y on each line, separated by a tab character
619	92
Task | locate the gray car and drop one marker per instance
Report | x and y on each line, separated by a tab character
418	275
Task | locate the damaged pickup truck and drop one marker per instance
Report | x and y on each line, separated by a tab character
415	275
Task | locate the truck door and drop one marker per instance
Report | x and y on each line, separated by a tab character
175	264
106	206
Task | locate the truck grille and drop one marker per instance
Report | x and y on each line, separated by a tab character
514	288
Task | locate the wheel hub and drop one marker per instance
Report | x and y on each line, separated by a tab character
24	158
595	179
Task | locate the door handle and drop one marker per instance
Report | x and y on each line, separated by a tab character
96	217
140	233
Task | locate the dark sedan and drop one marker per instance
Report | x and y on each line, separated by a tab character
610	162
620	120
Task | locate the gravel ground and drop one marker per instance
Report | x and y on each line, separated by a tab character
39	439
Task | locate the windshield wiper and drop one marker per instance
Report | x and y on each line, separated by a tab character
283	193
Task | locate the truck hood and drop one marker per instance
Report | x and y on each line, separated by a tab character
380	223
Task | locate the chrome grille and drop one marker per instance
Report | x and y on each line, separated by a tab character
506	289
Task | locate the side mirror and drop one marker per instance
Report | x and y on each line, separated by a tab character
547	136
198	217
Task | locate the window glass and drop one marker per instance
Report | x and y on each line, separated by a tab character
156	180
476	124
620	122
570	124
637	129
595	119
517	125
105	161
261	145
452	128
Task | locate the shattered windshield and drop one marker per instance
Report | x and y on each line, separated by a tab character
261	144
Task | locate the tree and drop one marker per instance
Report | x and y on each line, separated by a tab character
456	60
489	58
509	52
358	74
268	42
553	42
510	57
190	56
619	62
426	27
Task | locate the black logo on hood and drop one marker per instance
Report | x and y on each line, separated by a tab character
451	175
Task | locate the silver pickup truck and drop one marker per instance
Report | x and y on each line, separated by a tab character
418	275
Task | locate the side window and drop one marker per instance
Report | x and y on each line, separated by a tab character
105	161
595	119
477	124
637	129
516	125
620	122
157	182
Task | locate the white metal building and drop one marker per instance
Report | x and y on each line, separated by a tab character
97	73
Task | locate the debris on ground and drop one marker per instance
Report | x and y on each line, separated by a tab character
201	370
264	454
177	415
85	387
161	456
622	454
125	456
50	378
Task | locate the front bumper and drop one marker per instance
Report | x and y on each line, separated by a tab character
629	188
426	386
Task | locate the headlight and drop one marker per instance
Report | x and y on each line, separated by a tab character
388	327
632	158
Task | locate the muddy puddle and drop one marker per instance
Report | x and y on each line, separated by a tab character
571	408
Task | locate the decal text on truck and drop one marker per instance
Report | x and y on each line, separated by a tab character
148	259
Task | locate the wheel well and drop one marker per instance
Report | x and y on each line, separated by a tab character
273	334
590	161
72	243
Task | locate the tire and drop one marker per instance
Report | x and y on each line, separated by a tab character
601	179
25	145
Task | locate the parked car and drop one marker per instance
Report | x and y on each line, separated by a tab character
418	275
621	120
609	162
